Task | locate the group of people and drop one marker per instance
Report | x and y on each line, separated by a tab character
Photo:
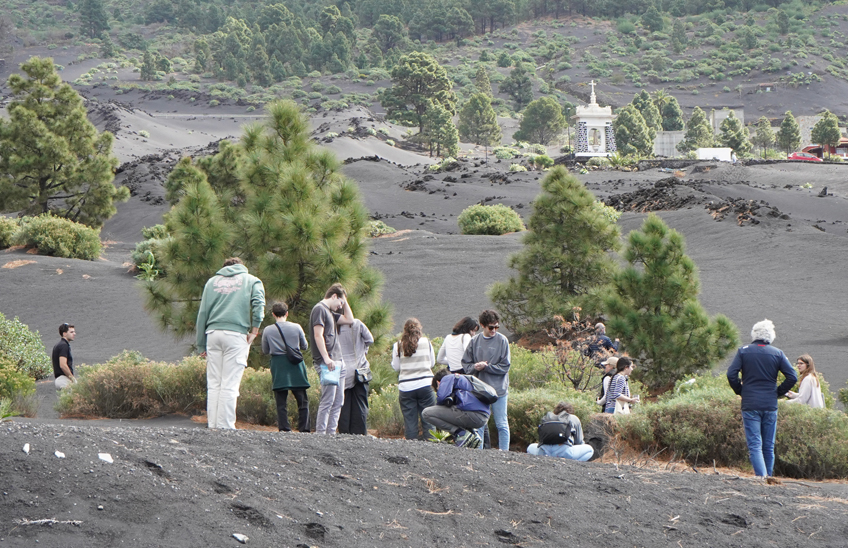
458	399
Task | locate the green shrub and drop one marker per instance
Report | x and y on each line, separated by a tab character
530	370
8	228
599	161
384	413
214	103
626	27
811	442
492	220
537	149
505	153
59	237
517	168
378	228
256	403
13	382
24	348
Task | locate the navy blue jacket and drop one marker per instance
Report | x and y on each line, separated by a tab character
759	363
459	386
601	341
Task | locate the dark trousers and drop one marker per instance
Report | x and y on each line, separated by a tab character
282	397
354	416
412	404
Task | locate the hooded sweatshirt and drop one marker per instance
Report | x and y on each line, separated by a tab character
233	300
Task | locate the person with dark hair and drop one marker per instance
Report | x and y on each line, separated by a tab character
280	340
63	360
413	358
810	392
355	340
457	409
619	399
568	441
333	310
760	363
488	358
454	345
231	310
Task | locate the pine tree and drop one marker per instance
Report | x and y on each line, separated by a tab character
649	111
632	135
481	81
826	131
652	19
478	122
440	132
565	260
678	36
541	122
672	115
518	86
52	159
418	80
281	204
782	22
699	132
654	307
148	66
734	135
93	19
764	137
389	33
789	134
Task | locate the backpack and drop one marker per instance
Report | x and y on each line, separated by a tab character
555	433
483	391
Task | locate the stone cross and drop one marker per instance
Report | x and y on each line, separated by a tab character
593	99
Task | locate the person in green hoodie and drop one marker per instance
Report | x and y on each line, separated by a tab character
231	311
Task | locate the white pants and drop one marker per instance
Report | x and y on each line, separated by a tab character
226	358
330	404
62	381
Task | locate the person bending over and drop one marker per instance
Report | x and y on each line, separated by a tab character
457	409
561	435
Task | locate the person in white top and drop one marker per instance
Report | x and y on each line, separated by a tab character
809	392
413	358
453	347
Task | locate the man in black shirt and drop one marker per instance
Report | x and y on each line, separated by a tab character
63	360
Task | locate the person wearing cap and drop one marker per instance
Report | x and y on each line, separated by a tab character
63	360
602	341
609	371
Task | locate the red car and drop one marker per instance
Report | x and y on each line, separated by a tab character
805	156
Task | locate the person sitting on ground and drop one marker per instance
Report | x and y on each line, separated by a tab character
279	340
454	345
561	435
413	358
609	372
809	392
355	339
457	409
619	388
602	341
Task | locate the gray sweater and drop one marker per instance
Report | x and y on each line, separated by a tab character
272	343
495	352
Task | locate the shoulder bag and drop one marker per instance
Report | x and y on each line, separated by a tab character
294	355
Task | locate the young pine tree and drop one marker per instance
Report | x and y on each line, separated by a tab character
542	121
478	122
481	81
565	260
764	137
518	86
654	307
281	204
632	136
734	135
826	131
699	132
440	132
649	111
789	134
672	115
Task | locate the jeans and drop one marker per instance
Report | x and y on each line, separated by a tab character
412	405
760	431
354	416
226	359
582	452
281	397
330	404
501	423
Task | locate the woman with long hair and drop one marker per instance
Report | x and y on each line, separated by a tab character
809	392
453	347
619	388
413	358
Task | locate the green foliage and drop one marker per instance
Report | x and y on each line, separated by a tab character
505	153
632	135
652	19
93	18
565	257
655	308
478	122
379	228
699	132
734	135
764	137
491	220
51	157
826	131
481	81
542	121
672	115
518	86
543	161
290	215
24	348
530	370
789	135
12	381
626	27
527	407
384	413
439	132
418	81
649	111
59	237
129	386
8	228
389	33
517	168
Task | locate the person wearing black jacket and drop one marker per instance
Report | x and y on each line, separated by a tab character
759	363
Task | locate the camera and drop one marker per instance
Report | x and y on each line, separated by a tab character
450	401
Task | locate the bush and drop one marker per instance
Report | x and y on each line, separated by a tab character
537	149
14	383
599	161
59	237
384	413
8	227
492	220
530	370
505	153
517	168
24	349
378	228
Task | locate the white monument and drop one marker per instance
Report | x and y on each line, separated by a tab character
594	129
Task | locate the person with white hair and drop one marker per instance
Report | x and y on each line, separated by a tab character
759	363
602	341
